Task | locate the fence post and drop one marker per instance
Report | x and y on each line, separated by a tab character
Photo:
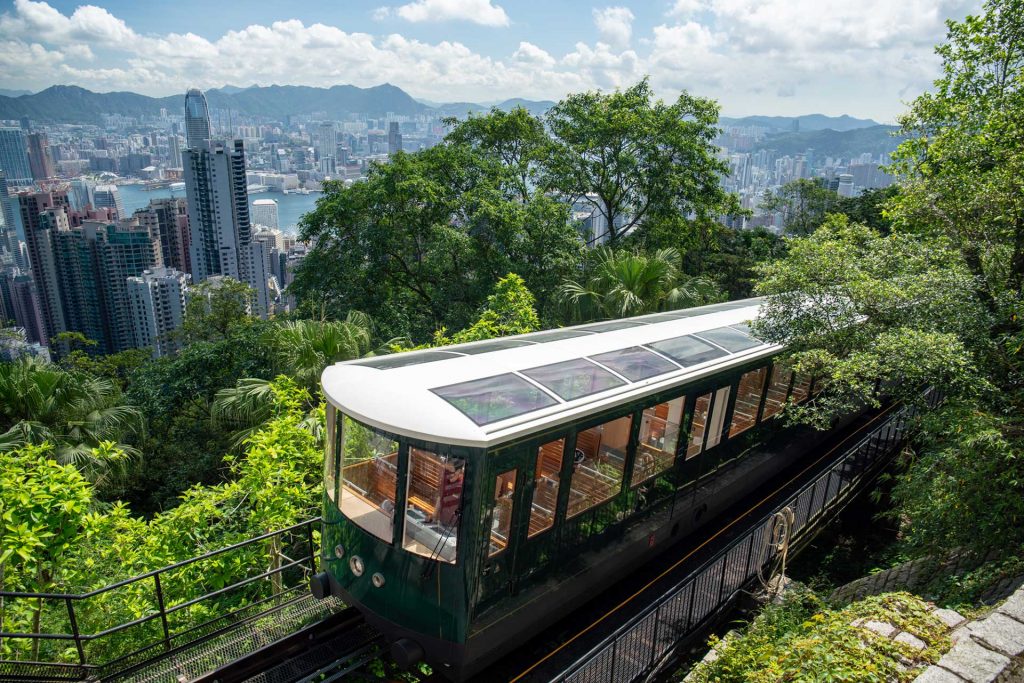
615	657
163	612
312	550
74	629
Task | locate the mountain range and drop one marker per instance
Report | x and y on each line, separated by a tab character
72	104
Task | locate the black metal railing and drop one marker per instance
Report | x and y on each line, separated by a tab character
640	645
115	630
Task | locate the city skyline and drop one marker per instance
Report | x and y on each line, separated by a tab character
775	57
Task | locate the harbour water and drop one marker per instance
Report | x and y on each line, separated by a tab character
290	207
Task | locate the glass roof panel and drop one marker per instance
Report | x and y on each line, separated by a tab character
659	317
687	350
496	398
490	345
555	335
573	379
611	325
729	339
400	360
635	363
745	329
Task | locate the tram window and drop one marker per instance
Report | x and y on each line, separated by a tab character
599	461
433	504
659	435
700	421
368	478
331	453
801	386
717	418
501	514
775	399
748	401
545	486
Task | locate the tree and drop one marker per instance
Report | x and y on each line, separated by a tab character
803	204
623	283
77	413
510	310
870	207
42	512
420	242
304	348
634	159
961	169
214	306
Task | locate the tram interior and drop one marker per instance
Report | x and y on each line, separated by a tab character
434	497
545	489
368	492
598	463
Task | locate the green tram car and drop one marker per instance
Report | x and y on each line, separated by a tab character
477	493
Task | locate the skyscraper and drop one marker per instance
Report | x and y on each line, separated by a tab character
13	157
174	150
197	119
39	159
394	138
108	197
264	212
42	216
156	300
168	219
327	141
220	233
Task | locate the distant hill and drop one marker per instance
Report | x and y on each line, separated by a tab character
71	104
535	107
876	139
808	122
14	93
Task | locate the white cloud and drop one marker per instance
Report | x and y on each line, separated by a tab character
615	25
755	56
477	11
381	13
684	9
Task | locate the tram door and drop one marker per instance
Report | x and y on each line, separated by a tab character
505	491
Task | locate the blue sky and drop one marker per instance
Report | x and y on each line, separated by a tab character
863	58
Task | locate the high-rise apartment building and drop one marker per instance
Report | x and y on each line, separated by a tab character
14	157
264	212
198	129
220	232
168	219
41	256
174	150
40	161
25	308
156	300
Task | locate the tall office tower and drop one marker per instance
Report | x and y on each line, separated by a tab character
394	138
108	197
81	194
197	119
174	150
40	162
39	234
11	234
156	300
167	218
95	261
327	141
845	187
25	307
220	233
264	212
13	157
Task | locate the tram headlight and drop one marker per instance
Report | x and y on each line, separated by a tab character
377	579
339	551
356	565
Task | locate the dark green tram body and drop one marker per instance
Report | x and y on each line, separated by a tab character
463	615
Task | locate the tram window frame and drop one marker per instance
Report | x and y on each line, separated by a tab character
331	454
359	497
719	406
554	482
780	381
579	469
801	389
695	443
502	494
425	530
667	452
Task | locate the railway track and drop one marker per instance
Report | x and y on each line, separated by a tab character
325	651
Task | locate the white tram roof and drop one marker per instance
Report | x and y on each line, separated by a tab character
485	393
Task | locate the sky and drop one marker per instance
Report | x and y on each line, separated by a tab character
866	58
